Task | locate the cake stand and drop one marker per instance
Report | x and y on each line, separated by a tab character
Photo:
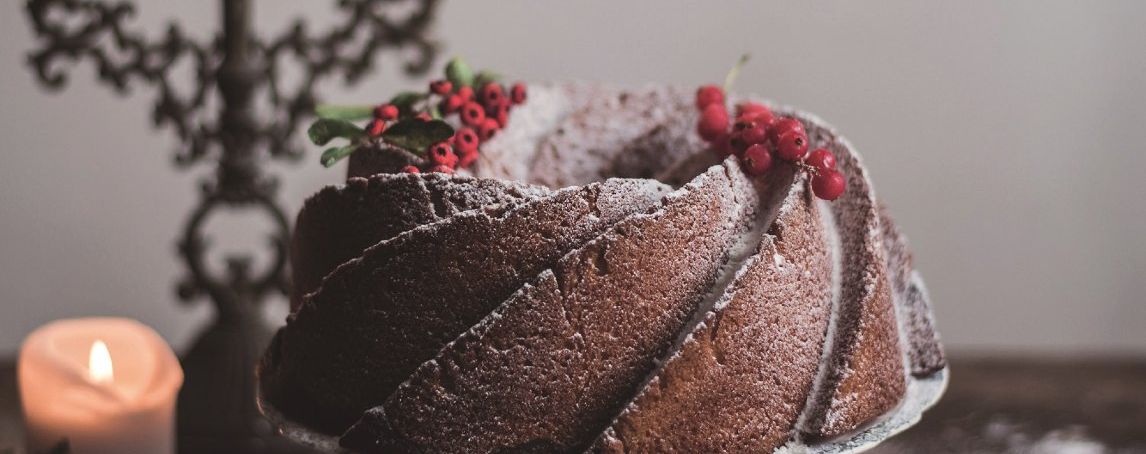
922	394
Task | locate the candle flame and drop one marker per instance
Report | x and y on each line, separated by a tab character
99	363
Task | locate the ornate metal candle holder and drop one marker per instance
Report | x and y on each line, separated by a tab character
236	67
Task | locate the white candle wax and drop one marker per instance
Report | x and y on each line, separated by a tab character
107	385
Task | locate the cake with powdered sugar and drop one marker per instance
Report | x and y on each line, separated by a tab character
602	278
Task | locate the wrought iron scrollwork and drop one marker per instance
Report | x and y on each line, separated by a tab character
240	283
236	67
121	56
336	53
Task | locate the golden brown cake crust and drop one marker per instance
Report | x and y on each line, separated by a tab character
377	317
740	380
549	368
913	305
864	374
487	316
337	224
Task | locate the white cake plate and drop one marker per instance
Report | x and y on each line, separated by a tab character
922	393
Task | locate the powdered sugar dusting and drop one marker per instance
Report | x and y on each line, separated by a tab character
571	134
551	385
509	154
828	219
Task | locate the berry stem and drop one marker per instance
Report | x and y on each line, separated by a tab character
807	168
730	78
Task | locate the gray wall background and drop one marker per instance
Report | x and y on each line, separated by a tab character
1006	137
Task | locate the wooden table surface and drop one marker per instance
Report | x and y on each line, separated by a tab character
993	405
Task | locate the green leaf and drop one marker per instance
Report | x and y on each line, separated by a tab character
335	154
344	112
416	136
405	101
323	130
459	73
484	77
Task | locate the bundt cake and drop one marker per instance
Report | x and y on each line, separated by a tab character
598	281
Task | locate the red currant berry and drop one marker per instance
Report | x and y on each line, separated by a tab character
501	114
467	158
822	160
441	87
375	127
828	185
386	112
517	93
756	159
727	146
491	94
488	128
751	131
755	112
783	125
708	95
473	114
411	169
792	145
736	142
442	169
722	145
442	154
466	92
759	118
750	107
423	116
713	123
466	140
451	104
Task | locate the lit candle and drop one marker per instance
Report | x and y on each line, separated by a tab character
106	385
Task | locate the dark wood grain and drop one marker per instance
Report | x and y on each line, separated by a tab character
993	405
1019	404
11	425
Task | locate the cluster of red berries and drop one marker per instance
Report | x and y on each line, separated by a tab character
481	115
757	137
